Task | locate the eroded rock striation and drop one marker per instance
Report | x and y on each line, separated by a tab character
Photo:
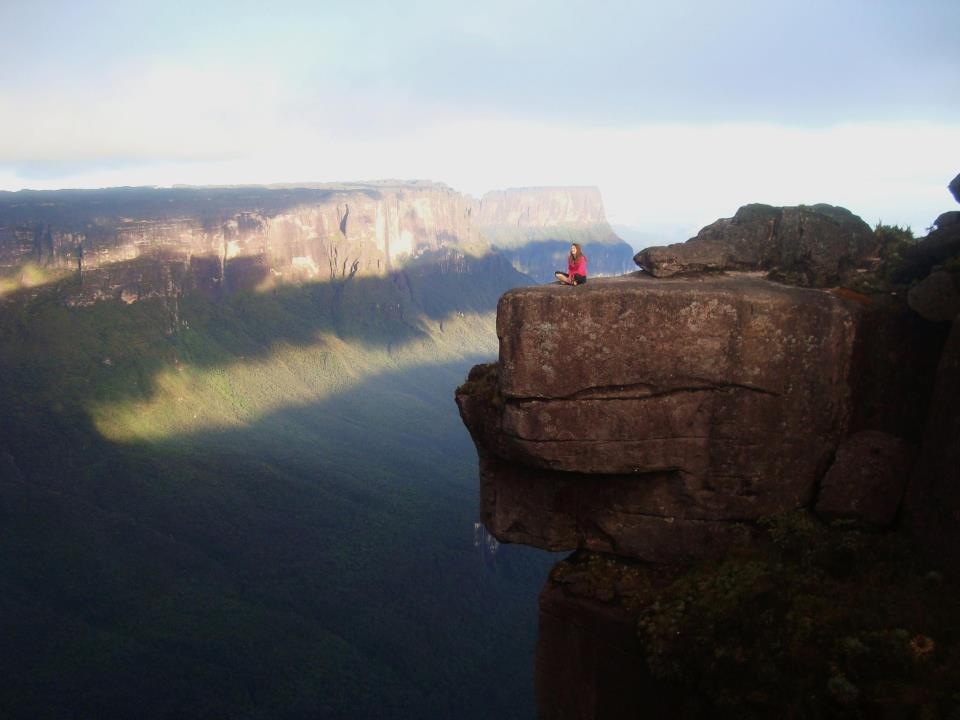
807	245
231	237
226	238
657	419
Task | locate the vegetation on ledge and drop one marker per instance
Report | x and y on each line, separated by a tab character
811	621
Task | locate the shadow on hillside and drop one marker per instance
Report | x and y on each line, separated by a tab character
320	557
316	561
110	351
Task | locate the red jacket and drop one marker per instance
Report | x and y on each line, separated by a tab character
577	268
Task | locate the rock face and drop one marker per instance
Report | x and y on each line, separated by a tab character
937	297
239	236
534	227
656	419
233	238
954	188
648	423
813	246
933	498
939	246
540	207
947	220
609	678
867	479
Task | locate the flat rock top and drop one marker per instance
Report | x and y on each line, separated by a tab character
556	340
739	283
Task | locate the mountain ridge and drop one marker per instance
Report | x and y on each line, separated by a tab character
238	237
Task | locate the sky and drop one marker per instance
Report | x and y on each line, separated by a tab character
679	111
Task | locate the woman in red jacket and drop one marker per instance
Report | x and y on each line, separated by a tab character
576	267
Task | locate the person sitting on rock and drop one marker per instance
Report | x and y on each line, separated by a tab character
576	267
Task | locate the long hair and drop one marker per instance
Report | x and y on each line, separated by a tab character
580	254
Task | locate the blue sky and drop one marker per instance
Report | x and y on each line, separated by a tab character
679	111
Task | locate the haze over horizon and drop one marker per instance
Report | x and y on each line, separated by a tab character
678	114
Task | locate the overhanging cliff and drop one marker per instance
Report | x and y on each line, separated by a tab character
656	419
732	460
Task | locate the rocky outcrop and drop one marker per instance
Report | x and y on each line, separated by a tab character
937	297
657	419
954	188
813	246
651	422
534	227
941	246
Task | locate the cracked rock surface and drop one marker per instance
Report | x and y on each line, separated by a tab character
658	418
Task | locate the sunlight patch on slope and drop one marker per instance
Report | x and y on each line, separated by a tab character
28	276
188	399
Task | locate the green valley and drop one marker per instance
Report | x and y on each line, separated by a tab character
255	505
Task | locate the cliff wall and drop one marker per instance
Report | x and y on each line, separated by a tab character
289	234
660	424
239	237
535	226
536	208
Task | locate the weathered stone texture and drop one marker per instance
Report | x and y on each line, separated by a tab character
653	418
815	245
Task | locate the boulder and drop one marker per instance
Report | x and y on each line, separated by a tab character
816	245
657	418
947	220
866	480
937	297
939	246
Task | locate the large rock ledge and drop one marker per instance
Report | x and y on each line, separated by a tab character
656	419
809	245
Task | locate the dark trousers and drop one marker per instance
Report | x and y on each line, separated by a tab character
578	279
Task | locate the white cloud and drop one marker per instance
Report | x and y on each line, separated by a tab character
174	112
181	125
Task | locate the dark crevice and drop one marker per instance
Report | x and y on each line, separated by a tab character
621	392
513	436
